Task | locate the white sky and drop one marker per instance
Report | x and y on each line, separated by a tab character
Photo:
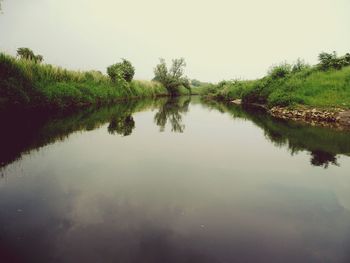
221	39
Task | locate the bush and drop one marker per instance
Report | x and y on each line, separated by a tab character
123	70
283	98
280	71
299	66
332	61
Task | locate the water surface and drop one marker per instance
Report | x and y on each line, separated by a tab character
172	180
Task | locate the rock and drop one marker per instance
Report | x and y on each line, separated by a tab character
344	118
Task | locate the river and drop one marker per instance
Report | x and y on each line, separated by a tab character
172	180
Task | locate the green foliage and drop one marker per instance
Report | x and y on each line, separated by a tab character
26	53
332	61
121	71
196	83
289	85
280	71
172	78
28	84
299	66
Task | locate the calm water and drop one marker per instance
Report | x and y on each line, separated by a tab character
172	181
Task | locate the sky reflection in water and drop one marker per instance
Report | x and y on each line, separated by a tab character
173	181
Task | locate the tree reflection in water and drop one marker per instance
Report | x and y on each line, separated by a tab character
324	159
24	131
172	110
323	144
122	125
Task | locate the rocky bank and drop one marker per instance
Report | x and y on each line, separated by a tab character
335	117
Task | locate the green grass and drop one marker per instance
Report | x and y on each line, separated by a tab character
309	87
28	84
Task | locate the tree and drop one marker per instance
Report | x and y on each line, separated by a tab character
196	83
332	61
28	54
347	58
123	70
172	78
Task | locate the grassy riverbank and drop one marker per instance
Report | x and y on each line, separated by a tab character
289	86
25	83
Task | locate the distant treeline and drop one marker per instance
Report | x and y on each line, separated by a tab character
326	84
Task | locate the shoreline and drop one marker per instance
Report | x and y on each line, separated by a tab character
336	118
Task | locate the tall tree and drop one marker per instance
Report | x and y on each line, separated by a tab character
172	78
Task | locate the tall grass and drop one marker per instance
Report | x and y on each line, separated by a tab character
26	83
284	86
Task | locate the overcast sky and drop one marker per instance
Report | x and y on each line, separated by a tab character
221	39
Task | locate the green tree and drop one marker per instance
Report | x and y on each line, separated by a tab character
172	78
124	70
332	61
28	54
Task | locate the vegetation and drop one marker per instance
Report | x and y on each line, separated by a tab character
121	71
324	85
332	61
26	83
26	53
172	79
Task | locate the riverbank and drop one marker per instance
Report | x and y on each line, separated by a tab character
317	94
26	84
337	118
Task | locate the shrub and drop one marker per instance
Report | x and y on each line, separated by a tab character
332	61
299	66
283	98
123	70
280	71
